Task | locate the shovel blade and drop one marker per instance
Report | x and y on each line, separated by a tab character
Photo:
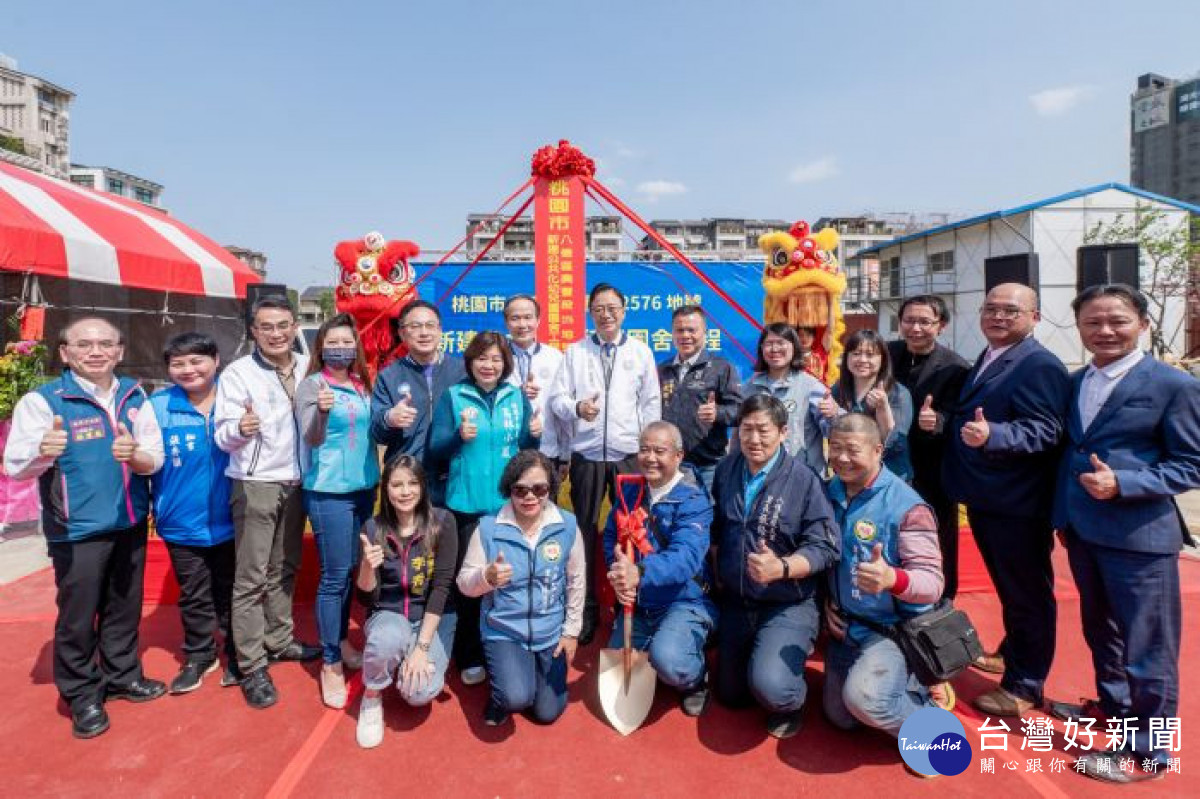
625	703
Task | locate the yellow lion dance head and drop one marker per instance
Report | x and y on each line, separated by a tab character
804	285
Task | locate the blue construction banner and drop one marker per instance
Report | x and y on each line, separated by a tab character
652	291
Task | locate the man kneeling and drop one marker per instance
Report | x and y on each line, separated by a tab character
891	568
668	581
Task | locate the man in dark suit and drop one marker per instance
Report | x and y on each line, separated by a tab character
1133	436
933	374
1002	454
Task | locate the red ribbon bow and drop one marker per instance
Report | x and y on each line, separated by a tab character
631	529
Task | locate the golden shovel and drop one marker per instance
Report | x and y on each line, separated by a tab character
626	680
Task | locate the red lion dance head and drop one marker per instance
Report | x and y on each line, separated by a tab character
376	283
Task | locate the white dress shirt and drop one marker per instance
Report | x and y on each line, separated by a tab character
1099	382
32	417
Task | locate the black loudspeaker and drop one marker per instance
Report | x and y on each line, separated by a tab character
255	291
1021	268
1098	264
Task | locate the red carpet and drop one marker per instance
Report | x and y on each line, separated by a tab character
210	744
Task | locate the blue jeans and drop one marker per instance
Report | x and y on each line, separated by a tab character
336	521
524	680
675	637
390	639
870	683
762	651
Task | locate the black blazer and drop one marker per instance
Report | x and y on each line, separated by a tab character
1024	395
940	376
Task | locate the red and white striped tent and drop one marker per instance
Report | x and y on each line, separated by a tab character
75	251
54	228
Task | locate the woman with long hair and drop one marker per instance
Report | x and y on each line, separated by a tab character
478	425
340	470
410	550
866	386
779	371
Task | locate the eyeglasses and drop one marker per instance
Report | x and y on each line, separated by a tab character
88	346
539	490
776	345
1002	311
607	310
415	326
919	322
282	327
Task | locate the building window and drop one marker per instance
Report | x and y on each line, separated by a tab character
84	180
143	195
893	277
941	261
116	186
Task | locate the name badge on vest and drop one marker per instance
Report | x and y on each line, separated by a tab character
87	429
865	530
551	551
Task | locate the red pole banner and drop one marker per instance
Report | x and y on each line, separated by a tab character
560	247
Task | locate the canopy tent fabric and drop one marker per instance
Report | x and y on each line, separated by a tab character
56	229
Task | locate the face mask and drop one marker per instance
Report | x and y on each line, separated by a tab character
338	357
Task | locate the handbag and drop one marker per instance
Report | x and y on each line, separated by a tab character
937	644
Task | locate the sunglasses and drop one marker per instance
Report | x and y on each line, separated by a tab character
539	490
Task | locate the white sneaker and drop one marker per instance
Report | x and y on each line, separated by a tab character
370	722
473	675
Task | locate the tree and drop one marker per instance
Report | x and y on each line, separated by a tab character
328	308
1168	266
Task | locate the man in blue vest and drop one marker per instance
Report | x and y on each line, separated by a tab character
89	443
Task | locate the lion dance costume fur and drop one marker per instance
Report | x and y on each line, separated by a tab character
376	283
804	285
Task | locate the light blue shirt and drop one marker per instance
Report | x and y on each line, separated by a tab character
754	483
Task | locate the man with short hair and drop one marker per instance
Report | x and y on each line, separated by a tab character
890	570
607	390
255	424
1005	433
667	577
90	441
408	389
933	374
535	366
1133	445
701	394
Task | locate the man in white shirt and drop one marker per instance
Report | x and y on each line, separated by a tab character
535	366
90	440
255	424
607	388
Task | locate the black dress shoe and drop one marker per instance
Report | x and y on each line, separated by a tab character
295	651
142	690
258	689
231	676
695	701
785	725
89	721
191	675
494	715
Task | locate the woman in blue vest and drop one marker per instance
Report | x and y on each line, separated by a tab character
410	551
341	469
191	507
866	386
478	425
891	569
779	372
527	564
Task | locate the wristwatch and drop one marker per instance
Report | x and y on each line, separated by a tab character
424	646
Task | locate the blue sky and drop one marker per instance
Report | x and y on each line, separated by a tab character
287	127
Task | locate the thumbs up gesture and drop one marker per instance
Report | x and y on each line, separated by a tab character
124	445
1101	482
325	397
927	416
875	398
589	409
763	565
707	412
624	577
975	432
250	424
372	554
54	440
530	386
467	427
402	414
827	406
535	424
498	573
875	575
